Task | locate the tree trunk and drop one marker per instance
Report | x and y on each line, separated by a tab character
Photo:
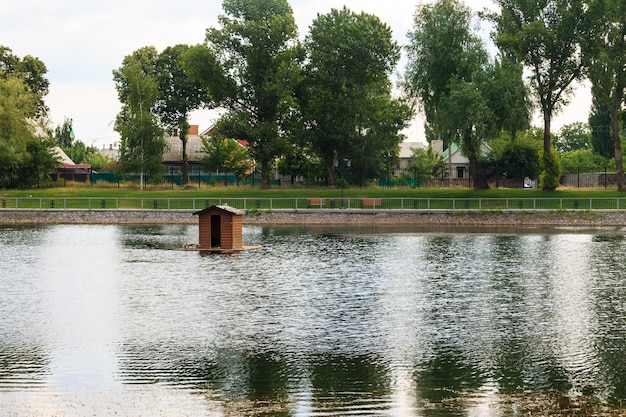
185	159
480	180
547	136
550	183
332	177
477	171
617	142
265	174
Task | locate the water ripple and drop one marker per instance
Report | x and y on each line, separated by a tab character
318	322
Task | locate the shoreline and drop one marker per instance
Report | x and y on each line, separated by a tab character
516	219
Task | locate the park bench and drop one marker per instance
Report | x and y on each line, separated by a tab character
370	202
315	202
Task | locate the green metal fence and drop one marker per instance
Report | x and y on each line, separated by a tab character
321	203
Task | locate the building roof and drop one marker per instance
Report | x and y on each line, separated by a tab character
457	155
225	208
57	152
174	146
406	149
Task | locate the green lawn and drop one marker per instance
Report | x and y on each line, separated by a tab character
290	198
249	198
298	192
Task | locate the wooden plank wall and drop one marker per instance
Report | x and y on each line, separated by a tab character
205	230
231	230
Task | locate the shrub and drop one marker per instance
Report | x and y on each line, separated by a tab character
550	177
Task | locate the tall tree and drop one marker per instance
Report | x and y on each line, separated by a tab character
545	35
347	108
25	159
250	67
142	138
178	96
606	57
446	75
438	52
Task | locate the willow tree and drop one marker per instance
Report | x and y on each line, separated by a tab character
446	61
142	138
250	67
545	35
438	52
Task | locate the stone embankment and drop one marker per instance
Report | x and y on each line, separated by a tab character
344	217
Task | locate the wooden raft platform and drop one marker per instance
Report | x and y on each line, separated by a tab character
198	248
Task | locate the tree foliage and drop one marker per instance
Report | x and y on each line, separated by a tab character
31	71
585	160
605	54
425	163
250	67
40	163
573	137
345	95
469	118
550	176
600	124
225	154
142	138
545	36
25	157
465	98
442	47
507	96
179	94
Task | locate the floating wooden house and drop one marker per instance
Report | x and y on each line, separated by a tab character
221	229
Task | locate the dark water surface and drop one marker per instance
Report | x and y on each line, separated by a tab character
116	320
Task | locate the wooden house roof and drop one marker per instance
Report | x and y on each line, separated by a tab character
224	208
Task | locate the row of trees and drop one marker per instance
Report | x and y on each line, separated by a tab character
327	99
468	99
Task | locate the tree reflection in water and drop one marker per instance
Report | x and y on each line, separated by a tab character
321	321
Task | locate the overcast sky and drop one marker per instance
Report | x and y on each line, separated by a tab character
82	42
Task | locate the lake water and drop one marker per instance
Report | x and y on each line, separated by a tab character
364	321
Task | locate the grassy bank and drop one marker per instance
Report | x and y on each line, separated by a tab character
299	192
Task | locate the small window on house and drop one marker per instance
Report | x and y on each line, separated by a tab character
460	172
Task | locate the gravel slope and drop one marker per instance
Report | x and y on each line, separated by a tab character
581	218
